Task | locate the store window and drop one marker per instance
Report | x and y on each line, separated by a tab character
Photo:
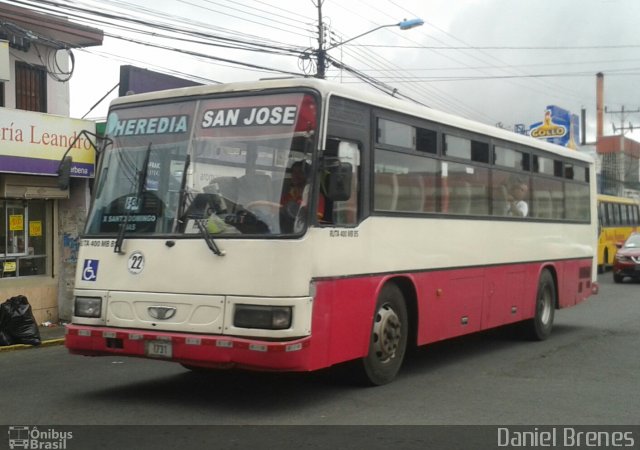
23	238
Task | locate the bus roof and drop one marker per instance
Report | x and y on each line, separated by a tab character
377	99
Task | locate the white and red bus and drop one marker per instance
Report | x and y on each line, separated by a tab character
400	235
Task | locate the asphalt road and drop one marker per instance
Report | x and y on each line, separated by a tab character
585	374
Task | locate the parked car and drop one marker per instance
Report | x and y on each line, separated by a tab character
627	260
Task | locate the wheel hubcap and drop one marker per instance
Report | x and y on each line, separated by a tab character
386	333
545	307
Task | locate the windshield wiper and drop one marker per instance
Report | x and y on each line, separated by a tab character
182	212
140	189
206	235
183	194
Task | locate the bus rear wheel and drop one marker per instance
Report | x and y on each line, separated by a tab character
389	336
539	328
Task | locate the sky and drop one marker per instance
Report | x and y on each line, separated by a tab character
500	62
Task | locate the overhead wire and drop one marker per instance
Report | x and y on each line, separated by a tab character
401	78
448	101
506	47
561	91
368	58
107	19
142	25
238	17
47	50
372	66
563	64
429	94
265	15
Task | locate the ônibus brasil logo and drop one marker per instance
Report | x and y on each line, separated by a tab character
32	438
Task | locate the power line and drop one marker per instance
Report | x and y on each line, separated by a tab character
237	17
115	21
202	55
540	89
597	63
503	47
142	25
435	96
502	77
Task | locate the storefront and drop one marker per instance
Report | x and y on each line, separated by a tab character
39	222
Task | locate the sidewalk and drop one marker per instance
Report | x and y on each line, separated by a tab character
53	335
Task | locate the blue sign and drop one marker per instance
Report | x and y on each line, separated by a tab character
90	270
558	127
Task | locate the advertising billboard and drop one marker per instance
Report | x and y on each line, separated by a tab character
559	127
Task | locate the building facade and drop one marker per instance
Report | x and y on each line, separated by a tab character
620	158
39	222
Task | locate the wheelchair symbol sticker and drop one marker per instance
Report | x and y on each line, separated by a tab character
90	270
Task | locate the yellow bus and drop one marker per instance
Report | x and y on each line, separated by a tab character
617	218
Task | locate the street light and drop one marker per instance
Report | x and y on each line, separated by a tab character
403	25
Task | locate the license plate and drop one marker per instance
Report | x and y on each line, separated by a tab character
158	349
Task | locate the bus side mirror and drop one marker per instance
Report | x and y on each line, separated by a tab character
64	173
337	182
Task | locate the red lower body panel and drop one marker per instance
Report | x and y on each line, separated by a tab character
196	350
443	304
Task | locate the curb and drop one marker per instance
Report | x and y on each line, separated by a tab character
47	343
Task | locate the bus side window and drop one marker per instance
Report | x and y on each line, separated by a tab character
343	212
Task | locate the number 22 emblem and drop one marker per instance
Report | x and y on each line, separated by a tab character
136	263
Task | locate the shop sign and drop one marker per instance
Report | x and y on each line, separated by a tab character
34	143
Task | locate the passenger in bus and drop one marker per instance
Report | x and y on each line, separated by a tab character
517	193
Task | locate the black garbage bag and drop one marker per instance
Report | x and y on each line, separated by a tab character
17	323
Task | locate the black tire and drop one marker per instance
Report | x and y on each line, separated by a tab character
389	335
539	328
602	268
618	278
197	369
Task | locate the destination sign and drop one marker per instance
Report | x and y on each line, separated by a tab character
255	116
146	125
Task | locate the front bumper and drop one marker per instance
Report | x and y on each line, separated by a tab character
191	349
627	270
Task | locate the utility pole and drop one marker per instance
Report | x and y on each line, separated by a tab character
321	51
622	113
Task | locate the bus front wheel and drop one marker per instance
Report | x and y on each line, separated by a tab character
389	336
539	328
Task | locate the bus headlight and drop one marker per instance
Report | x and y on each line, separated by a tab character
88	307
265	317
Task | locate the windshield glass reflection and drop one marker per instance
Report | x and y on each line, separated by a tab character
238	166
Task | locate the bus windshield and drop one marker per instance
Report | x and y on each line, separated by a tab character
234	165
